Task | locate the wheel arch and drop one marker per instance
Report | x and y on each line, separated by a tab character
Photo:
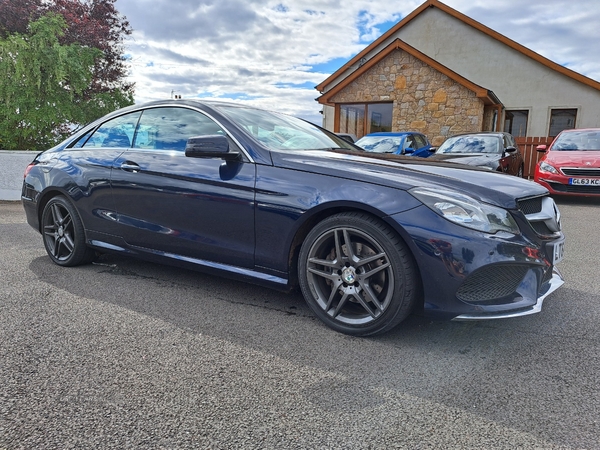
43	200
329	210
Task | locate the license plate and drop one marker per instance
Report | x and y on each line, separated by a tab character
585	181
558	251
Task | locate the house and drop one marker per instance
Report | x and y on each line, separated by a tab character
440	72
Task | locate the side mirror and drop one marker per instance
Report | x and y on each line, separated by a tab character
541	148
432	149
511	149
409	150
210	146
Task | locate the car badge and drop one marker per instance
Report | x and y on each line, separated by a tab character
587	163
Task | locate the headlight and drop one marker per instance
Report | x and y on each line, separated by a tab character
467	211
545	167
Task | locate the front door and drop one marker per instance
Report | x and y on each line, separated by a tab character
180	206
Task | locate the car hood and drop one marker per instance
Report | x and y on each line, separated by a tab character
405	172
479	159
574	158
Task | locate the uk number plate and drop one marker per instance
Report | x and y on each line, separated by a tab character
585	181
558	251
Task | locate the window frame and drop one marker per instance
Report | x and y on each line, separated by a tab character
527	113
368	116
551	116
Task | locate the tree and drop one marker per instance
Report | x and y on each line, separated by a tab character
95	23
15	15
41	85
89	24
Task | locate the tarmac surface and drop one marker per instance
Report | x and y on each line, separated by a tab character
124	354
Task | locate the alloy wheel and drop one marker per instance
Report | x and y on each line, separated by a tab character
350	275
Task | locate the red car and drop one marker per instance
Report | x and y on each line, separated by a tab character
571	165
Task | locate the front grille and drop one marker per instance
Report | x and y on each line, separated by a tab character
530	205
491	282
541	228
580	172
542	214
575	188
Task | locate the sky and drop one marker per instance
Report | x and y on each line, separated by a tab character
272	53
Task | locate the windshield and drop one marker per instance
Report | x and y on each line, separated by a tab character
470	144
380	144
281	132
578	140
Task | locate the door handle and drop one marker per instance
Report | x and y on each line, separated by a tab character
130	167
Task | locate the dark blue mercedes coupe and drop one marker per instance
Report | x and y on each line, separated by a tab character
271	199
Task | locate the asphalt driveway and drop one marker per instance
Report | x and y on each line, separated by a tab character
127	354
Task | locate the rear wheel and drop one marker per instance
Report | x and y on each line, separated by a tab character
63	233
357	275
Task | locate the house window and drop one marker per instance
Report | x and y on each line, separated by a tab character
352	119
561	119
364	118
515	122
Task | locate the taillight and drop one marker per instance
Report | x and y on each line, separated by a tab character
28	169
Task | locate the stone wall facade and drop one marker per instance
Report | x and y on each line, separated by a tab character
424	99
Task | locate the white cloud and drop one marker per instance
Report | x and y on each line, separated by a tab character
269	53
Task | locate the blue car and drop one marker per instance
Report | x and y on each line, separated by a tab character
267	198
402	143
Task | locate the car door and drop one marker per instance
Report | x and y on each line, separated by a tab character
179	206
91	158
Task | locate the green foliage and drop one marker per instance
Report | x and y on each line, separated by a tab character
42	84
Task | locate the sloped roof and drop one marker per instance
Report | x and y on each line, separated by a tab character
488	97
469	21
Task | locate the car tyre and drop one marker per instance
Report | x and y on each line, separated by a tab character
361	289
63	234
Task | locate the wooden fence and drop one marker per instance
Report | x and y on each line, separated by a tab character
530	154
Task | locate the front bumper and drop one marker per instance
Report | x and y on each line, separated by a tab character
470	275
559	185
548	288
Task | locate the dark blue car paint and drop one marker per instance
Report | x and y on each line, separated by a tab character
466	250
248	217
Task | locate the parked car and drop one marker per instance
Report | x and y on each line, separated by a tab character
401	143
495	151
571	165
267	198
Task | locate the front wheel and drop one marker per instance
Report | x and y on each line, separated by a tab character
357	275
63	233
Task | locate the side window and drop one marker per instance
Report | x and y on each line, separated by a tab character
170	128
116	133
82	140
410	142
509	141
421	141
